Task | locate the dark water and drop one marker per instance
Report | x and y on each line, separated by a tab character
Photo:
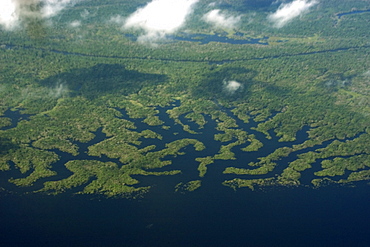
213	215
220	62
208	38
353	12
15	117
332	216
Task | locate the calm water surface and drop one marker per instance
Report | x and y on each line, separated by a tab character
329	216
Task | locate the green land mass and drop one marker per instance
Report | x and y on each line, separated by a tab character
75	83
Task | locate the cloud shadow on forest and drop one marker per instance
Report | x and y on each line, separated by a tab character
213	84
103	79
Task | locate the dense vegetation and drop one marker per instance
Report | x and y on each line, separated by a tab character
113	106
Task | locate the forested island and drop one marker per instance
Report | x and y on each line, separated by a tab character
87	106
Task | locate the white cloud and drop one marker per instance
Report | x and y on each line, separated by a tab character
53	7
159	18
75	23
220	20
232	86
12	11
58	91
288	11
9	14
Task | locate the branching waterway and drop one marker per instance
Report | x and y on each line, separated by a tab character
185	161
15	116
